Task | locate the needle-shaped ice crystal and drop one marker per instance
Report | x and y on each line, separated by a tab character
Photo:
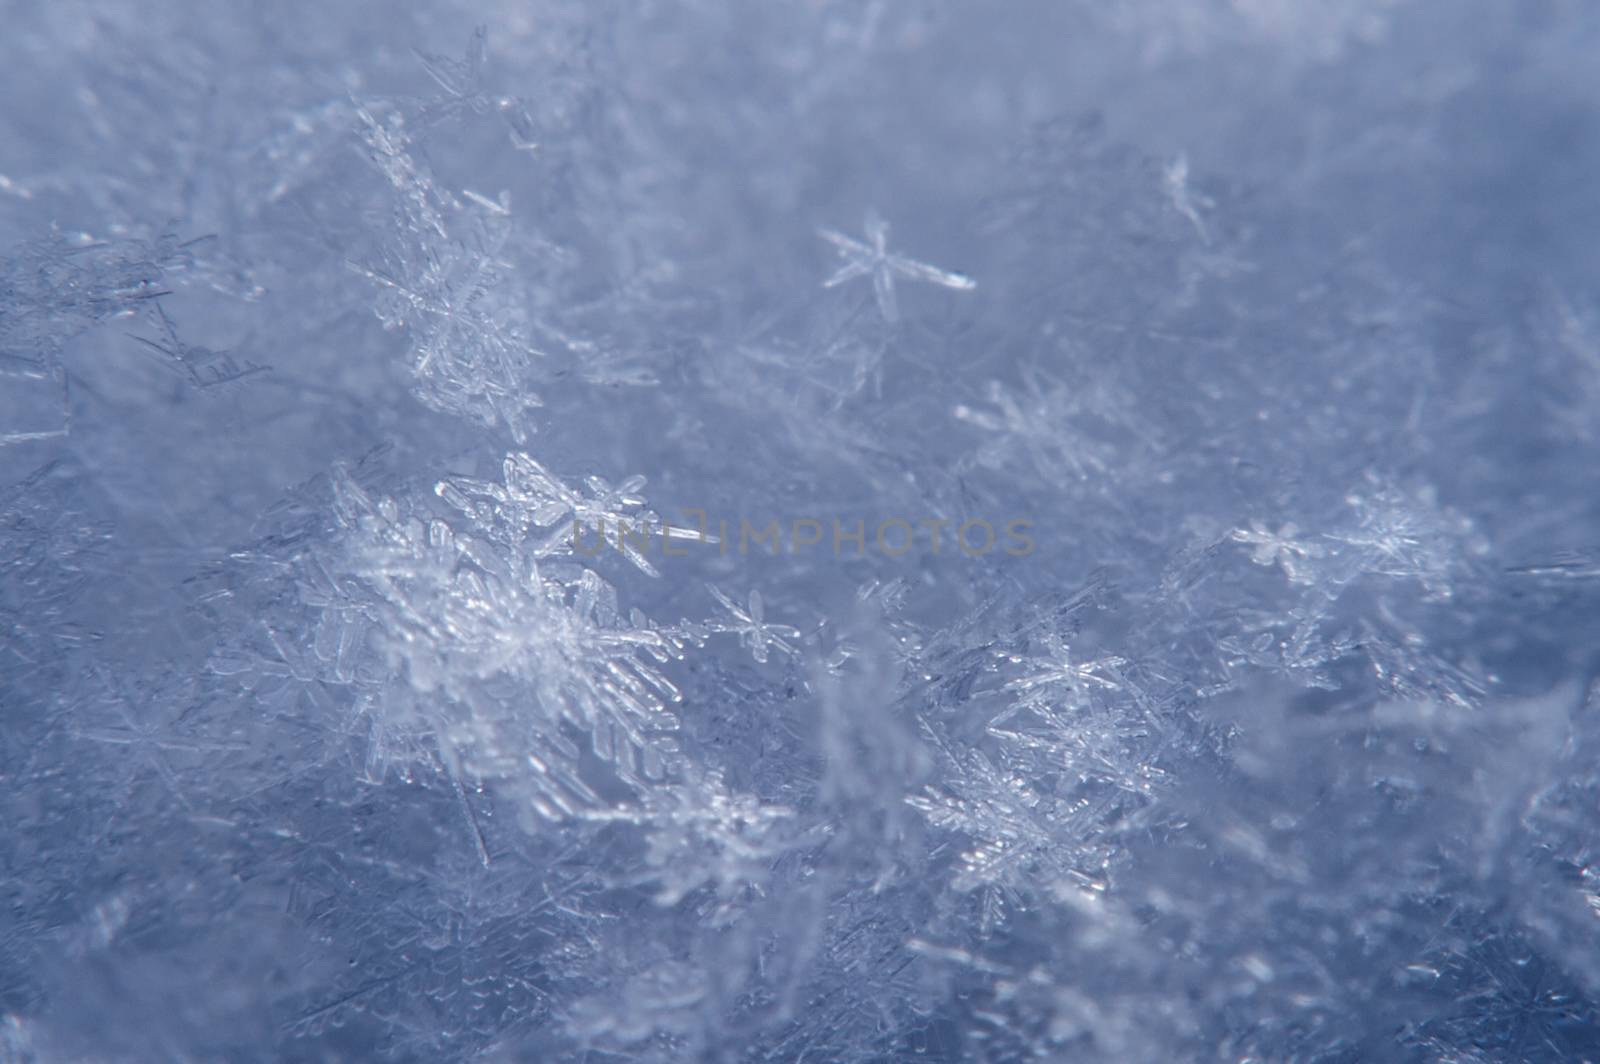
874	259
1565	565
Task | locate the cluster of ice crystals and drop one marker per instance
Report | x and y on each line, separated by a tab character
490	572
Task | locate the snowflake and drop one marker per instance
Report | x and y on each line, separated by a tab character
1054	669
701	832
1408	535
1514	1003
464	84
50	552
1279	548
466	618
1021	838
751	627
55	289
1392	538
1303	655
450	291
1109	746
201	366
874	259
151	740
1038	420
530	497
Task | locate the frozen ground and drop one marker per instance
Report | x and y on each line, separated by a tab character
1100	506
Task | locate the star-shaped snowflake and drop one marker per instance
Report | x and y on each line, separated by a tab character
1053	669
1282	547
750	626
874	259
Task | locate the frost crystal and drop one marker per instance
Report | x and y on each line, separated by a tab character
474	588
1279	548
749	624
200	366
442	279
874	259
1055	670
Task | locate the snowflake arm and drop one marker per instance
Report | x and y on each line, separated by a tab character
921	271
858	258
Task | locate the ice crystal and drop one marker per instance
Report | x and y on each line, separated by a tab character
750	625
50	553
701	833
583	643
200	366
1012	826
1055	670
464	90
571	521
873	258
443	280
1282	547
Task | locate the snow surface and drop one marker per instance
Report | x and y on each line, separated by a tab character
583	530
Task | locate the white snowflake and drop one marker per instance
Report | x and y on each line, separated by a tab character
1282	547
874	259
1054	670
750	626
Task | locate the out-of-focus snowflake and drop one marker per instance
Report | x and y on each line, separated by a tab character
1579	564
200	366
700	832
445	282
1294	647
874	259
1283	547
1043	422
1022	838
1306	34
1407	668
1035	1012
663	1001
1574	334
1408	535
1175	179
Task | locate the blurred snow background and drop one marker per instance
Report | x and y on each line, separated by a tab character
1273	323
